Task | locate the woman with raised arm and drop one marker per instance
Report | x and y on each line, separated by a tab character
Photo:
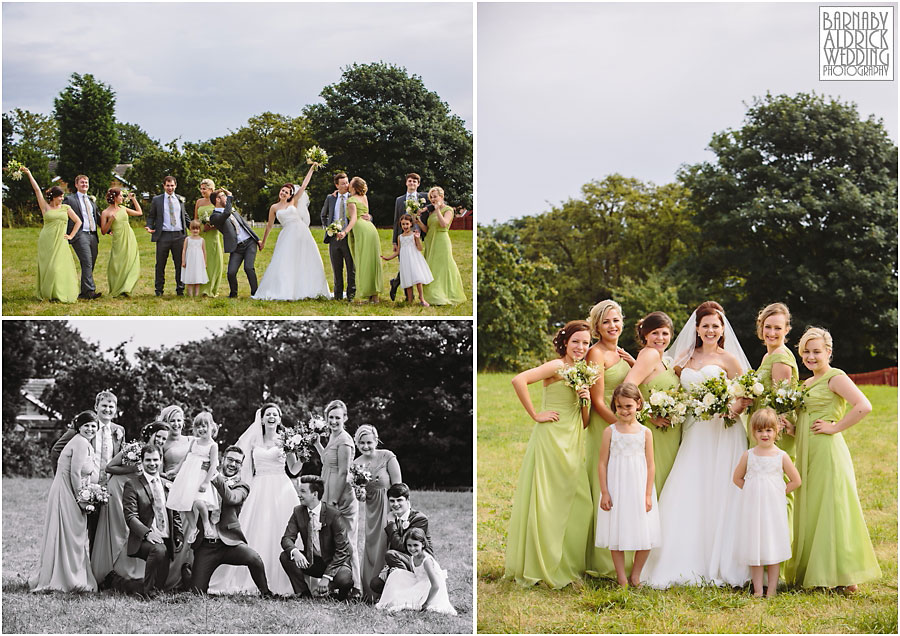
365	244
124	260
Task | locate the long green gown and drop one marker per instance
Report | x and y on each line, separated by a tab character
447	286
56	275
831	544
598	561
365	247
665	441
215	257
552	507
124	261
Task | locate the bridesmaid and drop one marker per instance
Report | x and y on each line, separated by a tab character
606	326
215	252
56	276
173	452
65	563
124	260
650	372
552	509
336	457
365	245
385	470
831	545
447	286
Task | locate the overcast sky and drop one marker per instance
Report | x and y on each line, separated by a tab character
163	59
143	332
568	93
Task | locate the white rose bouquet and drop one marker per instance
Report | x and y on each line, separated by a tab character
301	439
413	206
581	375
92	496
333	228
746	386
359	477
204	214
671	404
711	398
131	453
14	169
316	156
786	397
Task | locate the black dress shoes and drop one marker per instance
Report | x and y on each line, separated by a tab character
395	283
90	295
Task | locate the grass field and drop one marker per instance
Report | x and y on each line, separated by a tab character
24	503
600	606
20	274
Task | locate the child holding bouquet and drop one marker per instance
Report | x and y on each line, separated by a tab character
414	270
190	490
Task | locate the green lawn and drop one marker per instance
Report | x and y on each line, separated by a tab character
24	505
20	274
600	606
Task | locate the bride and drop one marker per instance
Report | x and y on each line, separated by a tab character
698	507
296	269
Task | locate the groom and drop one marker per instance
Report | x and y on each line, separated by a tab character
168	221
239	239
335	209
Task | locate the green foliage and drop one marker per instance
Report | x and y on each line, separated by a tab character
88	139
34	130
21	206
514	298
189	165
134	142
380	123
26	457
800	206
658	291
18	366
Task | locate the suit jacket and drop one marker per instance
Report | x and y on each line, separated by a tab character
118	435
328	209
158	209
137	503
400	210
233	498
334	543
219	220
72	201
395	538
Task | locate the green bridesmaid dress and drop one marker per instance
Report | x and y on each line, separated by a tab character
56	275
124	260
599	560
215	257
365	247
665	441
831	545
552	507
447	286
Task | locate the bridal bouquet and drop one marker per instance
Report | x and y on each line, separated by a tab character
203	215
786	397
333	228
14	168
131	453
671	404
301	439
711	398
359	477
92	495
413	206
746	386
317	156
581	375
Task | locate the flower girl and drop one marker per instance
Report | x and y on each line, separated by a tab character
413	268
627	517
190	490
193	260
765	539
425	588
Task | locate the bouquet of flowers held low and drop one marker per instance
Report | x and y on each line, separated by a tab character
359	477
746	385
204	214
671	404
91	496
333	228
580	375
316	156
14	169
786	397
301	439
413	206
711	398
131	453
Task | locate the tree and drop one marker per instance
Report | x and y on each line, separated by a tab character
19	197
35	130
88	139
18	366
380	123
134	142
9	130
800	206
189	166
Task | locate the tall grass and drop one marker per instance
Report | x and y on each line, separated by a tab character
600	606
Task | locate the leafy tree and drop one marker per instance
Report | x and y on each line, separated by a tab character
189	165
134	142
9	130
800	206
19	197
88	139
514	297
35	130
380	123
658	291
18	366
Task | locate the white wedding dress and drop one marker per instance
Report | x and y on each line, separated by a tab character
699	507
296	270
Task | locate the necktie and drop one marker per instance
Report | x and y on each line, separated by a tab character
88	212
159	511
234	222
343	210
399	525
105	447
310	534
172	213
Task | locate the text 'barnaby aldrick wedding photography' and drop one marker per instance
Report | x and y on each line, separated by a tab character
856	43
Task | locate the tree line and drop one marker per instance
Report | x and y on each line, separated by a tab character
799	206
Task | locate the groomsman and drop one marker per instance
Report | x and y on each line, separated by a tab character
167	222
335	209
238	238
402	519
85	242
412	185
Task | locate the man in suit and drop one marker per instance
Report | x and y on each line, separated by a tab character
229	546
412	185
238	238
85	241
154	530
325	552
168	221
404	518
335	209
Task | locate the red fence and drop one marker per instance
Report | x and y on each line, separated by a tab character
464	222
884	376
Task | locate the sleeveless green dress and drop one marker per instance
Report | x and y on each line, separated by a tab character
124	261
215	257
447	286
56	275
552	507
598	561
365	247
831	544
665	442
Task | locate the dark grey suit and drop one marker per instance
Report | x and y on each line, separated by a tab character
339	252
400	210
85	242
167	241
240	252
